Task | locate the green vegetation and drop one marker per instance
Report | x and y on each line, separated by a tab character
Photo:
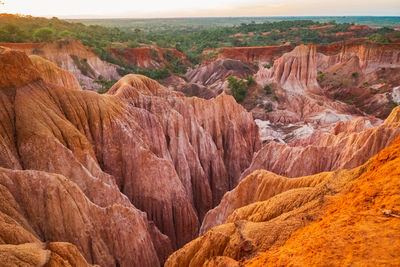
380	35
320	76
267	89
354	74
16	28
351	99
209	23
155	55
133	44
193	41
269	65
212	54
43	34
379	38
276	98
174	63
155	74
105	85
83	66
392	105
348	99
190	36
238	88
250	80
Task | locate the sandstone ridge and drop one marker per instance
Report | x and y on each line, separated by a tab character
73	56
308	220
141	162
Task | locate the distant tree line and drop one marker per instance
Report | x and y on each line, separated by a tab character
186	38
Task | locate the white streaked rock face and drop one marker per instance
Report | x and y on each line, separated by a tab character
282	133
396	95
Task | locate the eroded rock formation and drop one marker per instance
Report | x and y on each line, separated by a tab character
201	156
372	56
294	71
214	75
195	89
338	149
308	220
248	55
148	57
36	254
40	206
73	56
141	162
55	75
349	145
127	177
298	96
309	89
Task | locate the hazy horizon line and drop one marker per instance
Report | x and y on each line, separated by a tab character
89	17
206	17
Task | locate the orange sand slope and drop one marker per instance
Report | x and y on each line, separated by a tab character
359	227
348	217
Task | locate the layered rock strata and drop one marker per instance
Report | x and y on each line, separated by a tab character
97	161
348	216
73	56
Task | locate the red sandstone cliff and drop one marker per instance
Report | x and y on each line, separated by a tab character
210	152
314	87
248	55
148	57
347	146
72	56
148	155
299	97
349	216
356	77
371	55
97	161
294	71
55	75
213	76
362	73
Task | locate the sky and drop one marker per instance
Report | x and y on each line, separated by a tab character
199	8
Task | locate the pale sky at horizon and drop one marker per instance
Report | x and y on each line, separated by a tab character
203	8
